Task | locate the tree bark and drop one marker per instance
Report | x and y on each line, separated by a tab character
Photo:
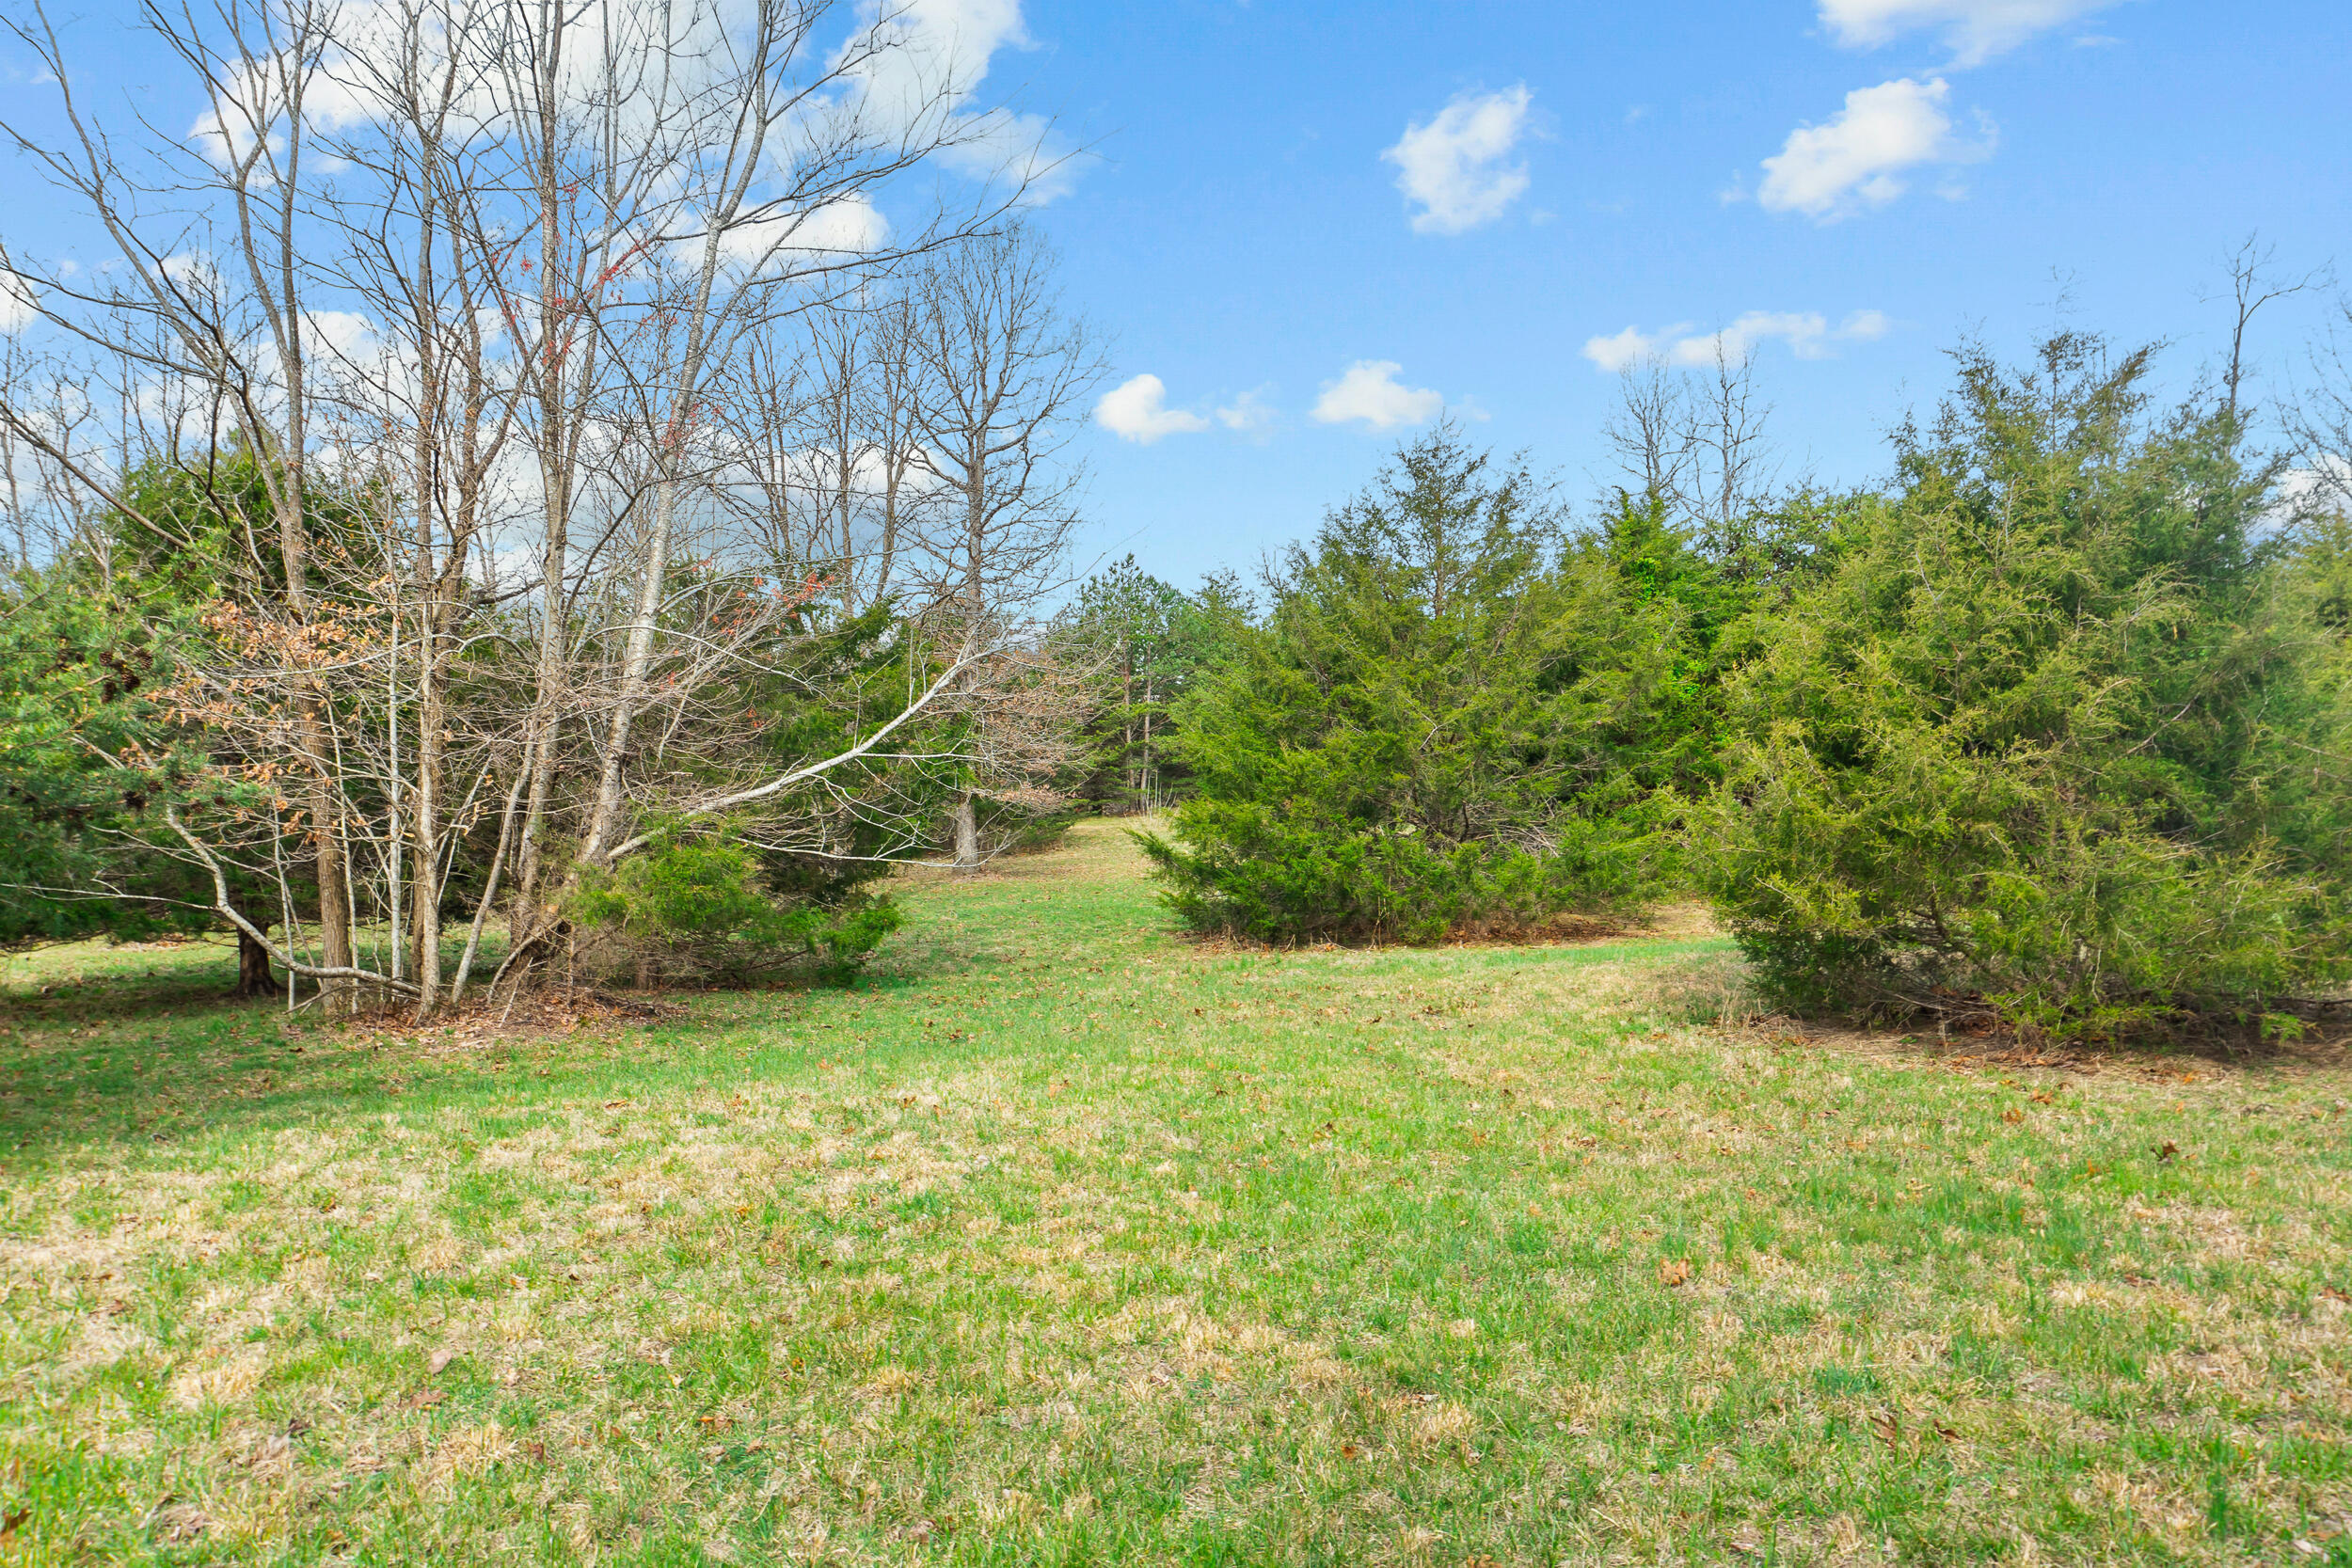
967	834
253	973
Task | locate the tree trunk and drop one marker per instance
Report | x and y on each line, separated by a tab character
967	834
253	973
653	568
335	950
426	842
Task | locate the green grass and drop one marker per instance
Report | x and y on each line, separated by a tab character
1066	1241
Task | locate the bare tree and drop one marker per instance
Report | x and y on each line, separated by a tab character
1003	374
1733	465
1696	441
2254	283
1652	432
2319	420
491	381
891	413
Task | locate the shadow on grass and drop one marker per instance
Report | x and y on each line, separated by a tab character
102	1044
104	1049
107	1049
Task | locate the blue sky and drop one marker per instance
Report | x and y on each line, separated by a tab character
1242	233
1384	211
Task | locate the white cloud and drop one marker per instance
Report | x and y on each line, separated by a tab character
1248	414
1974	30
2322	485
1369	390
194	270
1808	333
1857	159
1866	326
1136	410
345	333
1622	351
1016	150
852	226
19	304
1453	167
917	64
910	53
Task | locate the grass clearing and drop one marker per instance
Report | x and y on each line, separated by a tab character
1065	1241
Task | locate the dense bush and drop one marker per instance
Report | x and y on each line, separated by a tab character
698	910
2056	734
1449	720
87	761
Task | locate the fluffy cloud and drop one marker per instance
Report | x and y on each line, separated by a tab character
1808	335
19	303
1369	390
1452	167
346	333
1622	351
850	227
1136	410
913	59
1858	160
902	68
1248	414
1974	30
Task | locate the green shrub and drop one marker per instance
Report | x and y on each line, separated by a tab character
697	910
1452	719
90	757
2052	736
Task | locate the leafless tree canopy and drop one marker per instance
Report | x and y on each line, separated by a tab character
1695	440
558	374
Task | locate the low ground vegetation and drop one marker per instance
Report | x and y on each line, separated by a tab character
1064	1239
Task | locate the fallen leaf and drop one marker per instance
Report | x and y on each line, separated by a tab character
1673	1272
438	1361
424	1399
14	1522
2012	1116
1349	1451
2169	1151
1882	1422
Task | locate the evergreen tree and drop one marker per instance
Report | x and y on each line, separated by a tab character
1450	720
2052	735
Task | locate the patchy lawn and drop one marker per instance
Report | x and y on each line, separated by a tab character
1064	1241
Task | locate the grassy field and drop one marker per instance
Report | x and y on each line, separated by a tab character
1066	1241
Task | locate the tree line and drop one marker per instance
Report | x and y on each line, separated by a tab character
2051	731
521	491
